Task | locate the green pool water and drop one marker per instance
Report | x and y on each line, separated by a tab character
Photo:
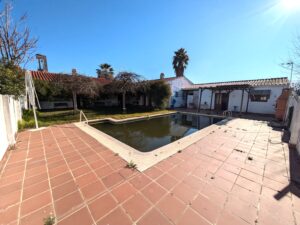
149	134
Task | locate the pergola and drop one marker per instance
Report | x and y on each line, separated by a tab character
221	88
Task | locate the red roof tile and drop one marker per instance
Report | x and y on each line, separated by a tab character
48	76
257	82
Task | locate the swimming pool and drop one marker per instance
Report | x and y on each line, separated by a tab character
149	134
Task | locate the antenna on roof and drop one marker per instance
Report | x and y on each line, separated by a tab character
31	95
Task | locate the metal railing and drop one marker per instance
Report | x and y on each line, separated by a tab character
83	116
227	113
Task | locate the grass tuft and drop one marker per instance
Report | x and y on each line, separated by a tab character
131	165
50	220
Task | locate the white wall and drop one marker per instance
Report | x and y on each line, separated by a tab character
206	99
294	100
10	113
268	107
176	86
235	100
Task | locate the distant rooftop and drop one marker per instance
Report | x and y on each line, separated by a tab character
251	83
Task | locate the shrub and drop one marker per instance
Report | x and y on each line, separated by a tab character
160	93
11	80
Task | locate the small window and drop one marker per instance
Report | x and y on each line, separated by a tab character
260	95
176	94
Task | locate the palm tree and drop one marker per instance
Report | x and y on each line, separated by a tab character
126	82
105	71
180	61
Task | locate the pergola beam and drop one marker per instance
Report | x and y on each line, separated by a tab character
200	98
241	106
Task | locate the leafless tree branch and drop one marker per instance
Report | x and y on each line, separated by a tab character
16	45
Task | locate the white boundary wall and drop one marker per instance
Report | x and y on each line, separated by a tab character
10	113
294	100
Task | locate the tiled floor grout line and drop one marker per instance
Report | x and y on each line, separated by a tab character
81	195
84	200
223	162
253	143
264	169
23	181
108	190
2	169
47	169
100	157
256	146
227	197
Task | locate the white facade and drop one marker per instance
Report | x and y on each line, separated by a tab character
177	84
235	98
294	102
10	114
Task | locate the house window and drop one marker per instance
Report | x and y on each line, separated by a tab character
260	95
176	94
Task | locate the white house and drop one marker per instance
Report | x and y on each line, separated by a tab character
177	84
252	96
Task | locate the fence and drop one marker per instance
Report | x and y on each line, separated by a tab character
10	113
293	119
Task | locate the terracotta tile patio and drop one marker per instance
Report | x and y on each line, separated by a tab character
237	175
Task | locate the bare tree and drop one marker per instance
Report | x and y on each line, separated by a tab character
16	45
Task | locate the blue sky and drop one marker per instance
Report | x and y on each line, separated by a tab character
226	40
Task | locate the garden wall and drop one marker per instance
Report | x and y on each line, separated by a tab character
10	113
294	128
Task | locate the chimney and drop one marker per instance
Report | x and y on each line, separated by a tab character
42	60
162	76
74	72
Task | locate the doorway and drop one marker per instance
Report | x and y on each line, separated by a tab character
221	101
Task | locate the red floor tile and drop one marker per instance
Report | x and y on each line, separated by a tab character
112	179
93	189
35	203
167	192
154	217
206	208
140	181
101	206
82	216
154	192
184	192
64	189
167	181
190	217
123	192
38	216
136	206
68	204
116	217
174	212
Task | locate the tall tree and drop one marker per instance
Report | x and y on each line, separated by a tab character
16	49
126	82
16	45
180	61
78	85
106	71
